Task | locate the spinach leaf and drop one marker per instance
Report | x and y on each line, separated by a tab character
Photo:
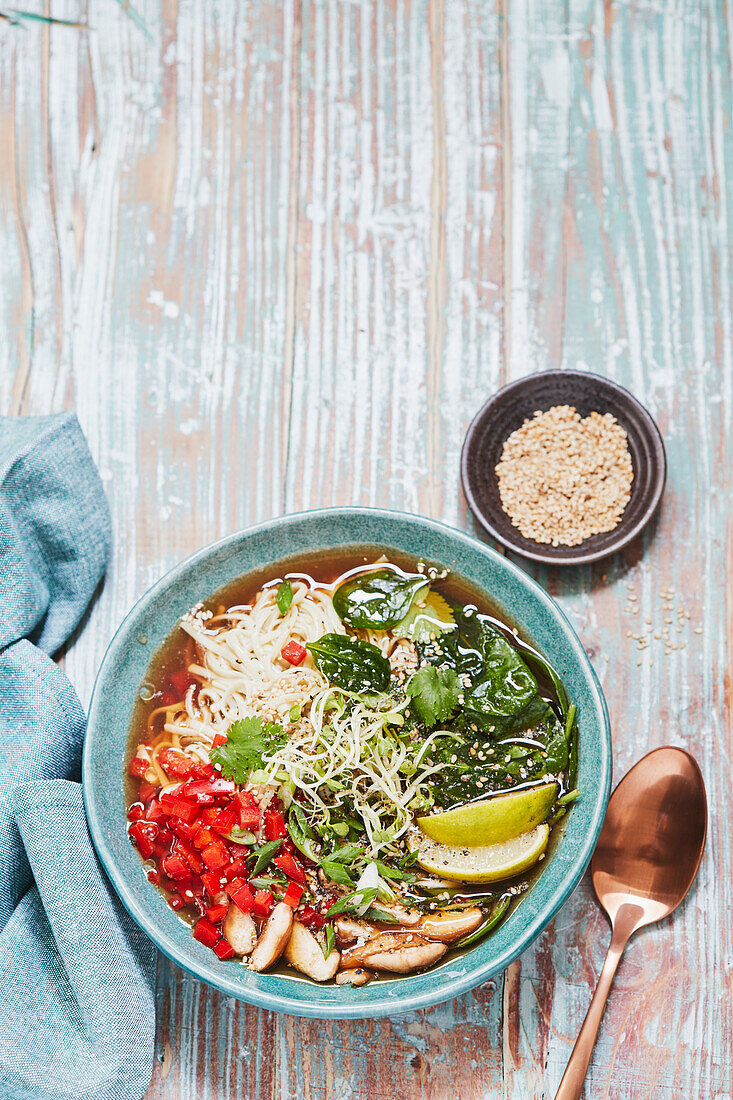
377	600
557	748
351	663
284	597
503	696
248	741
434	693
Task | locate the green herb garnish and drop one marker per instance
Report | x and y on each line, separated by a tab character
248	741
395	873
435	693
241	836
351	902
301	833
263	855
336	872
284	597
329	942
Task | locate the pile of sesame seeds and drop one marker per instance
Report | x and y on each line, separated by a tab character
563	477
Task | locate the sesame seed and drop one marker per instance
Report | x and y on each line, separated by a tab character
563	478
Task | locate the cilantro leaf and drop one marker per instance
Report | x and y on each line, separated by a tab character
284	597
248	741
435	693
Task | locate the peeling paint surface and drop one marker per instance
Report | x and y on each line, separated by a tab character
276	256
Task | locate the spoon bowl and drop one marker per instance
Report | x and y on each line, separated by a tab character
645	862
653	837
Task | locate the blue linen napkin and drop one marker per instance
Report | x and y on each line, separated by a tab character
77	976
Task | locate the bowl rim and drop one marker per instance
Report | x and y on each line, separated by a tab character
574	555
387	1005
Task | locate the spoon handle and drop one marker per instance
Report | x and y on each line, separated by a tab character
571	1085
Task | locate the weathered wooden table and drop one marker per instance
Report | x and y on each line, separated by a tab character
276	254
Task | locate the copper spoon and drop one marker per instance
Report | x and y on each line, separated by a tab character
646	860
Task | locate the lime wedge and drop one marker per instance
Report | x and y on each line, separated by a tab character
487	863
492	820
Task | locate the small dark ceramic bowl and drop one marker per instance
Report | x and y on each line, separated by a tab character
510	407
107	752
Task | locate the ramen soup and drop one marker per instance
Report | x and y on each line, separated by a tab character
349	768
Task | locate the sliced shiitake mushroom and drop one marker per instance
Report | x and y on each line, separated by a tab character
239	929
396	952
349	929
357	976
407	918
449	926
303	951
273	938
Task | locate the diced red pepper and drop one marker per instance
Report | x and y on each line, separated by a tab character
203	838
146	791
207	789
241	894
235	870
275	827
192	858
144	835
294	653
225	820
155	812
223	949
175	763
138	767
293	894
215	855
175	867
249	810
202	771
136	812
219	739
263	902
206	933
176	902
184	831
290	866
154	876
311	918
184	808
212	882
217	913
165	836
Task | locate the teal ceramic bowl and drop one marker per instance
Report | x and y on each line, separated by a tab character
106	753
